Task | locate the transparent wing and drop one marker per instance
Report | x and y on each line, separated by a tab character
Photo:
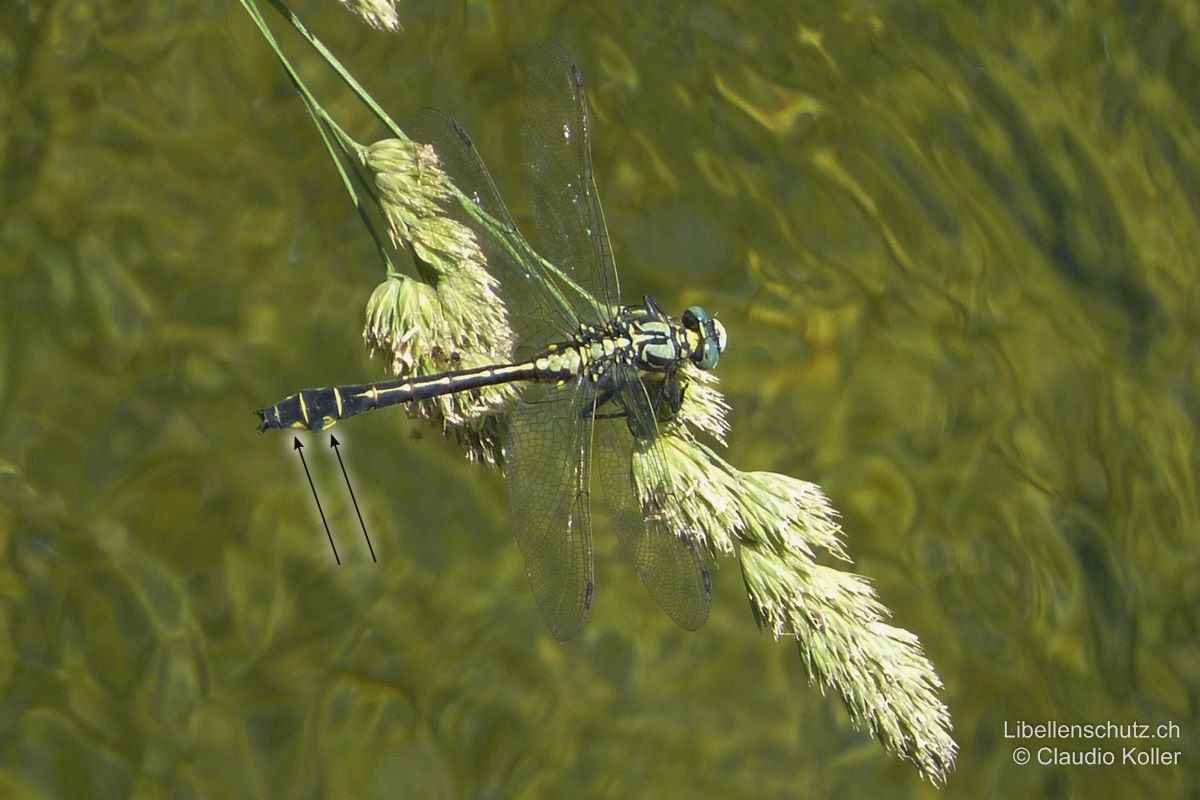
538	316
546	465
556	141
652	533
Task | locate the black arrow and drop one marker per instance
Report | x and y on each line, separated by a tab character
334	443
299	449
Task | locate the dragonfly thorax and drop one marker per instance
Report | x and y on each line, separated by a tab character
652	341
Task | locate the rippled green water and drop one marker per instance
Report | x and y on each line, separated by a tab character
955	248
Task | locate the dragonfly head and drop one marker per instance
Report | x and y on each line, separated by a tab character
706	335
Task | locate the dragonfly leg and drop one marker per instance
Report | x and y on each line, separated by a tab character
670	393
607	390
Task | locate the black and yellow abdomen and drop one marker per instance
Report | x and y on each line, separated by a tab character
317	409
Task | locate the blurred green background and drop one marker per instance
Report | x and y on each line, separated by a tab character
955	245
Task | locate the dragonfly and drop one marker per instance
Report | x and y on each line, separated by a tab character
599	379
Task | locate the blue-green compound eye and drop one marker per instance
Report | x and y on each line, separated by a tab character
713	338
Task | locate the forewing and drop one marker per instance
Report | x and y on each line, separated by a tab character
562	188
546	466
652	533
